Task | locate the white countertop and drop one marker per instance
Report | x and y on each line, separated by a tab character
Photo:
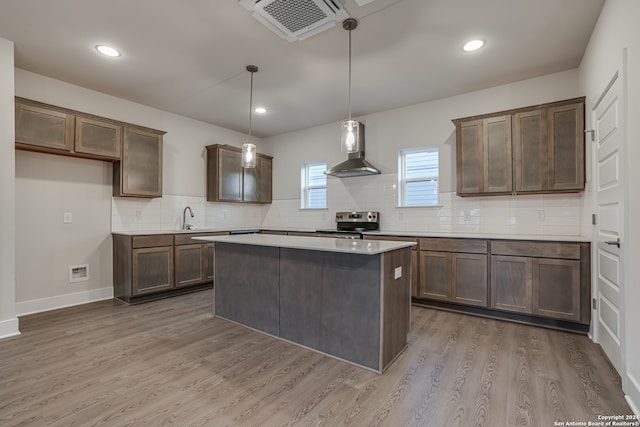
327	244
540	237
192	231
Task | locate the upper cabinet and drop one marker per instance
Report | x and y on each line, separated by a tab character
51	129
537	149
135	151
228	181
139	173
98	137
38	126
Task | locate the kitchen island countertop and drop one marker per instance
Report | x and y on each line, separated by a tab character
326	244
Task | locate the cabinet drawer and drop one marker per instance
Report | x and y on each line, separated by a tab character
187	238
151	241
536	249
471	246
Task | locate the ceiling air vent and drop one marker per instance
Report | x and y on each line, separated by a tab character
296	19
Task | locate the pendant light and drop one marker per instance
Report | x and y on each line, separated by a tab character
350	128
249	149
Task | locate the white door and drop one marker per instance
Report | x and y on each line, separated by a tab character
608	189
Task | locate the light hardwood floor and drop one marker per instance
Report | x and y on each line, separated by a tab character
170	362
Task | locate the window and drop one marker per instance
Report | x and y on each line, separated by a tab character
418	176
314	185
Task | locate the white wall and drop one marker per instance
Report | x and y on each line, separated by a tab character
617	28
423	124
48	185
8	320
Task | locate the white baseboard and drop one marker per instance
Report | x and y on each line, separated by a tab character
632	405
9	328
61	301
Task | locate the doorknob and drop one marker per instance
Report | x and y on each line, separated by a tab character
614	242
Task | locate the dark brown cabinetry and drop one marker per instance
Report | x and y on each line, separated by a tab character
98	138
454	270
194	261
51	129
136	151
152	270
154	266
139	173
40	127
537	149
483	153
540	278
151	263
228	181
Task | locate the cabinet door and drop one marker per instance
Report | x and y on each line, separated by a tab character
566	147
152	270
98	138
531	153
556	288
265	182
435	275
189	265
229	175
44	127
496	142
511	283
250	183
469	162
469	279
140	171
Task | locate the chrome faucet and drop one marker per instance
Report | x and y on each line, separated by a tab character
186	226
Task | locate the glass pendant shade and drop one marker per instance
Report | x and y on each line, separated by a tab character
350	137
248	155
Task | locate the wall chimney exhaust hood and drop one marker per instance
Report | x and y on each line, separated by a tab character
355	165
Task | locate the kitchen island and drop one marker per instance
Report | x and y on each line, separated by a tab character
349	299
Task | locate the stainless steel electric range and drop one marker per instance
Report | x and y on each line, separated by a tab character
350	225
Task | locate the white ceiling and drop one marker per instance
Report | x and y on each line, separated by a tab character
189	56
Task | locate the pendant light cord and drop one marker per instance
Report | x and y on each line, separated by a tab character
349	75
250	105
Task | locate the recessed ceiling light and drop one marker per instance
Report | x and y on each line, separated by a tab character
473	45
260	110
107	50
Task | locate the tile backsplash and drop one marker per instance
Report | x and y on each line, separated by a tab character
560	215
133	214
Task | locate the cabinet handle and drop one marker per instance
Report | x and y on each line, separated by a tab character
614	242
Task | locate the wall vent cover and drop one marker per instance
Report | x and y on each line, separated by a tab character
296	19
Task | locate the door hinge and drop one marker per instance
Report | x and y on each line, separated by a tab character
593	219
594	304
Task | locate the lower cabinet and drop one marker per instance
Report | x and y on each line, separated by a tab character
454	270
159	265
549	287
191	264
543	282
152	270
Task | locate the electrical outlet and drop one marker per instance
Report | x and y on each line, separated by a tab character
467	215
67	218
397	272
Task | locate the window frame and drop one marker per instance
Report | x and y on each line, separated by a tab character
402	172
305	186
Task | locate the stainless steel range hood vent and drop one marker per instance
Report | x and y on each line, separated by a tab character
355	165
